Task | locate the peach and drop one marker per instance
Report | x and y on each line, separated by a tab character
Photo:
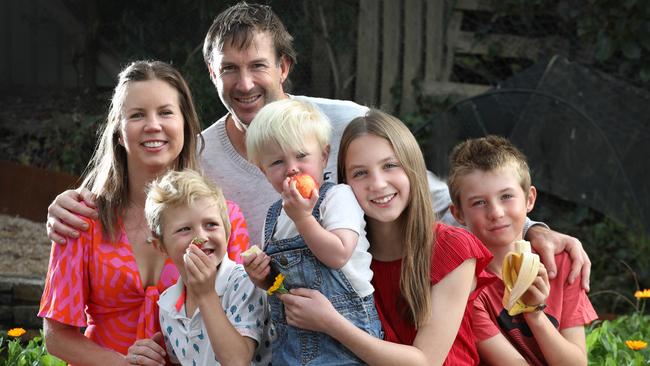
305	184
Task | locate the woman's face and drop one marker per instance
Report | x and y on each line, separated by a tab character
151	127
377	178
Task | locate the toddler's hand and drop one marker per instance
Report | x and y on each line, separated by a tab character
539	290
295	205
258	268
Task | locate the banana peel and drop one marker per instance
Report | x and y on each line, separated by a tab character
518	272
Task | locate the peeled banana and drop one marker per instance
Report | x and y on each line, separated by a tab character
518	272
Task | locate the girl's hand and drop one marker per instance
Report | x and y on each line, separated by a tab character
147	351
201	271
295	205
308	309
258	268
539	290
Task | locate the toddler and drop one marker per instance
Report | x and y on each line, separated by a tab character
318	242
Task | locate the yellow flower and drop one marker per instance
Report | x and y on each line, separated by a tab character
645	294
278	286
16	332
636	345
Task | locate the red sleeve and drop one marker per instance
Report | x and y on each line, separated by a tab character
67	287
239	239
452	247
483	325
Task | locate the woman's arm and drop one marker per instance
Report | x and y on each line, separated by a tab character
67	343
311	310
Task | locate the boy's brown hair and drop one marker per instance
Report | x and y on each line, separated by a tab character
486	154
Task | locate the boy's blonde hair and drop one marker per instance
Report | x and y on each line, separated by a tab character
177	188
487	154
286	123
417	221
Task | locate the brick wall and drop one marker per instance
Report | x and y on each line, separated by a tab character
19	300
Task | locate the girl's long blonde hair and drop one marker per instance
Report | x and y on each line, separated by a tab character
417	220
106	174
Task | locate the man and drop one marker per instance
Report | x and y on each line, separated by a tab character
249	55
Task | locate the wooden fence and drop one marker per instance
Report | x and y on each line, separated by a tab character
402	41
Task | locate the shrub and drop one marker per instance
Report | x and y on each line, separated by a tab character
14	352
622	341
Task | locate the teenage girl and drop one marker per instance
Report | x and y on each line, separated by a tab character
425	273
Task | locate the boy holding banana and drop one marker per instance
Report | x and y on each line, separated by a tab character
525	318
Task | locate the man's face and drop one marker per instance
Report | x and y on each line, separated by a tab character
247	79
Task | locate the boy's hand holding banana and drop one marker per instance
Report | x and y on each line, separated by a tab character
519	271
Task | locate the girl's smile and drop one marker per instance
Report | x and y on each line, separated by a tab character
377	178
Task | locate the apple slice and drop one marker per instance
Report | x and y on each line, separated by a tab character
252	250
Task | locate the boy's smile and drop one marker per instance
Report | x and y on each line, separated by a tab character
199	223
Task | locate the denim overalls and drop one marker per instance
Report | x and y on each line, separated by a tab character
301	268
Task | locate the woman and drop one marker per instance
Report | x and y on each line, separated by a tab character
109	279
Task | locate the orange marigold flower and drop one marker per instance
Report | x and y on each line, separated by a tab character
16	332
278	286
645	294
636	345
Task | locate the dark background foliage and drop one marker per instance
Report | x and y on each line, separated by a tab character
56	129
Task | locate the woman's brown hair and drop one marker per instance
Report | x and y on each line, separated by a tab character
106	174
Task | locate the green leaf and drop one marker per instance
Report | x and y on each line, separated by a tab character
631	49
604	48
592	338
49	360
